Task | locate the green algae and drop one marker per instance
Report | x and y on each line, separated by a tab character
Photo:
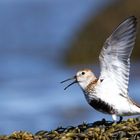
100	130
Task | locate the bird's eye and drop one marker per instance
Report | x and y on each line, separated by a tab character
83	73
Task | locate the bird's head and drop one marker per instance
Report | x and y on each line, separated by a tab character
82	77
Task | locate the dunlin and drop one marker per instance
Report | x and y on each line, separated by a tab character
109	92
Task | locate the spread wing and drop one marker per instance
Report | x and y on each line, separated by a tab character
115	56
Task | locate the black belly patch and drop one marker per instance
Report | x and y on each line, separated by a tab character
102	106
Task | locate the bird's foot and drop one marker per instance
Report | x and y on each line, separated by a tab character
120	120
103	120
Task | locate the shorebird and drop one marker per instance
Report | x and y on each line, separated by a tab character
109	92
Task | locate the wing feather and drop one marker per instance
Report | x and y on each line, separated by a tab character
115	55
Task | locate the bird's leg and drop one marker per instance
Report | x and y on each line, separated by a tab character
103	120
114	117
121	118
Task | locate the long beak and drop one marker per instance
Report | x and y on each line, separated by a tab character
73	78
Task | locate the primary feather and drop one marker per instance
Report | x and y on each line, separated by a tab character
115	56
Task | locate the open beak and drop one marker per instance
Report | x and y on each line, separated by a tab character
73	78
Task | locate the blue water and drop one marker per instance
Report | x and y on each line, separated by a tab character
34	35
